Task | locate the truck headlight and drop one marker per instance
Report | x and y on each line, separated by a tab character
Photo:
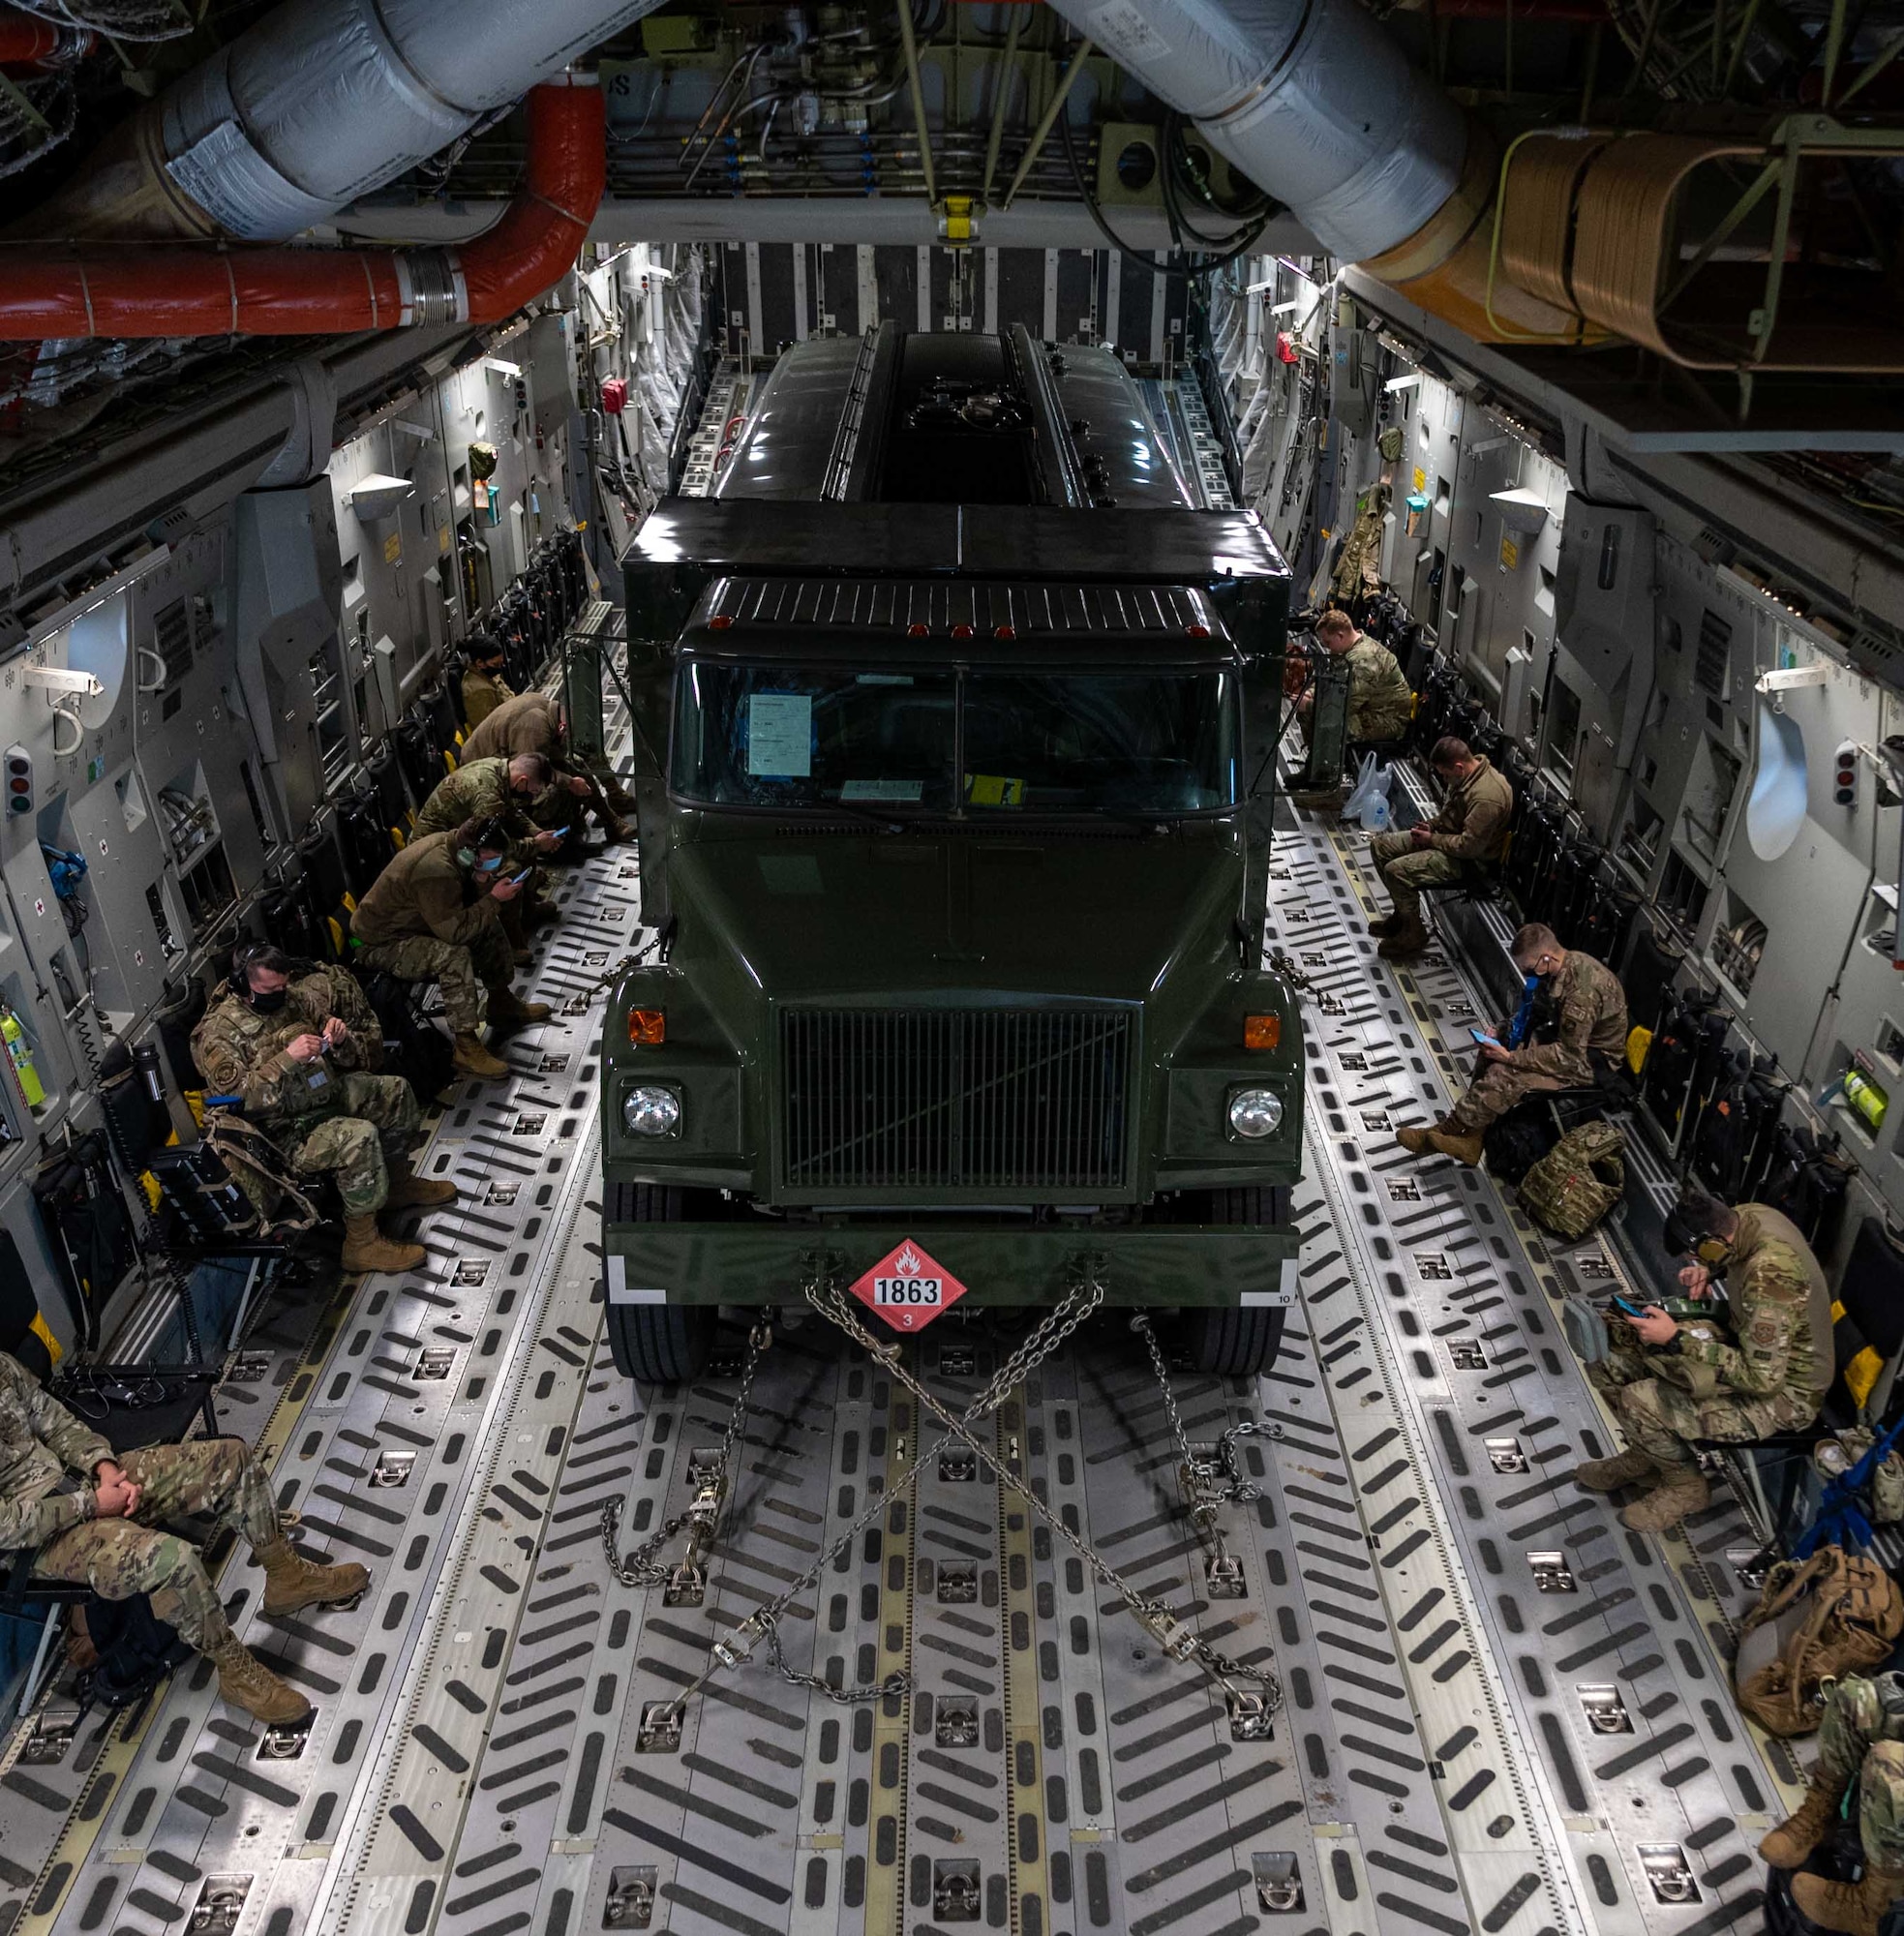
1255	1113
653	1111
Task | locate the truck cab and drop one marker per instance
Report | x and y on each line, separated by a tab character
956	842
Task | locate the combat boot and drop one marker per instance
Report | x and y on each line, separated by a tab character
293	1582
1385	925
367	1249
471	1058
1681	1489
1608	1475
409	1191
1852	1908
245	1682
1792	1840
509	1009
1464	1145
1417	1138
1408	938
539	913
617	830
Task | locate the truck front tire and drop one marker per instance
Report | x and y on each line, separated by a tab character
1233	1343
1239	1341
655	1343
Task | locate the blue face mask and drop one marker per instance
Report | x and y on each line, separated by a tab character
490	865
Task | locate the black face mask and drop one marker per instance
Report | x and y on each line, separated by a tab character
268	1004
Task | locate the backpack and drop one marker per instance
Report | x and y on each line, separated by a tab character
1816	1619
1513	1143
136	1649
1578	1180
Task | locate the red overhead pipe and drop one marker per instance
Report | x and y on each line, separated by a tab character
137	289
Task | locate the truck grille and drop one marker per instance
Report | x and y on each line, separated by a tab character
965	1099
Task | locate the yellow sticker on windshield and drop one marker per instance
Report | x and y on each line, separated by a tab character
992	790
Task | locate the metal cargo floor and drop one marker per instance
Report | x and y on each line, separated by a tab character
1503	1712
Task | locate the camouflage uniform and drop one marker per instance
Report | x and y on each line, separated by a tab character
532	723
1590	1026
42	1443
425	919
1381	704
1861	1740
1472	828
482	693
331	1114
477	790
1703	1385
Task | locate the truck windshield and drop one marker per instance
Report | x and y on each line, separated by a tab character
791	736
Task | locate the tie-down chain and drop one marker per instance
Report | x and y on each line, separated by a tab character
1250	1711
1208	1475
684	1583
661	1721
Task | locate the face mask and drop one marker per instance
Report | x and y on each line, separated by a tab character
490	865
267	1002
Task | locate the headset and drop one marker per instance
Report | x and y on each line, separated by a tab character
1685	1234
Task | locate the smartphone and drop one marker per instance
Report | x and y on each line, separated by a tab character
516	879
1484	1039
1631	1310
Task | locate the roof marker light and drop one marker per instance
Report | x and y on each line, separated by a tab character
720	622
961	631
917	631
1195	631
1005	631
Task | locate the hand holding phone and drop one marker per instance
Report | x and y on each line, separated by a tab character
1484	1039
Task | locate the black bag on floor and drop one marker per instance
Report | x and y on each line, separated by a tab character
414	1047
137	1651
1512	1144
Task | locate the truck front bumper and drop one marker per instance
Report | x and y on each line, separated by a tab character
1163	1267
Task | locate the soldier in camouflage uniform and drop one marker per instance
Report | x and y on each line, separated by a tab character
1762	1369
1859	1741
1380	703
1575	1029
533	723
94	1517
1470	831
433	915
297	1042
509	789
484	687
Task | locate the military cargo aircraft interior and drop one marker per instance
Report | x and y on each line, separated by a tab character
950	960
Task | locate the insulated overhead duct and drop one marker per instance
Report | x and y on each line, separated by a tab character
1316	104
176	288
320	101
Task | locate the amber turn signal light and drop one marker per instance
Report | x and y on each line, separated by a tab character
647	1027
1262	1031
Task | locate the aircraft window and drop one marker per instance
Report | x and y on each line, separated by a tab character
96	643
1776	809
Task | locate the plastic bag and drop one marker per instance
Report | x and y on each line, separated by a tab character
1367	803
